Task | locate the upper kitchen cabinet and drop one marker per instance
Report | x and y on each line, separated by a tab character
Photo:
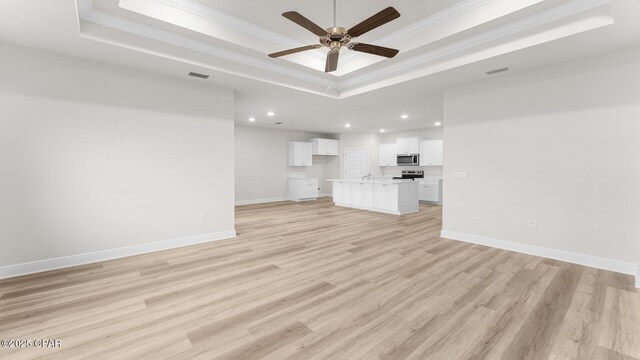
300	153
409	145
325	147
431	153
388	155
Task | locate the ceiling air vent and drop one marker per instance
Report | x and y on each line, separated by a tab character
198	75
497	71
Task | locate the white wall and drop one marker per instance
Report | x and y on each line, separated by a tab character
261	164
95	157
434	133
559	145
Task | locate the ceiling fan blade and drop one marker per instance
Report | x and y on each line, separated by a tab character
374	49
374	21
293	51
297	18
332	61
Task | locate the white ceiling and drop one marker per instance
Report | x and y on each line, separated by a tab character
372	92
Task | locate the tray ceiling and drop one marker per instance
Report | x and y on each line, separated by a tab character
433	36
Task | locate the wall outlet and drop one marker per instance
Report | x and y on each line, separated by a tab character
204	216
533	224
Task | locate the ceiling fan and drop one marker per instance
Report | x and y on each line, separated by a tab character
336	37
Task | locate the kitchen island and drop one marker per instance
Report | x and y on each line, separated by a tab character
396	197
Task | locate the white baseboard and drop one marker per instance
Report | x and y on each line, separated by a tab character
262	201
373	209
87	258
638	277
575	258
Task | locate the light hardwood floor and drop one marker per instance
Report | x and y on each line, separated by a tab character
312	281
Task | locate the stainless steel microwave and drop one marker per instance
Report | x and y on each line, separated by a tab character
409	160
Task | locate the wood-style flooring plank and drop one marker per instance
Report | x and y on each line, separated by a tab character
312	281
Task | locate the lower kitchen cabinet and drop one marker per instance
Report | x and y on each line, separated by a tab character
431	191
301	189
362	194
388	197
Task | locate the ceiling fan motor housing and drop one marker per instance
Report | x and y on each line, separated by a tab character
335	34
336	37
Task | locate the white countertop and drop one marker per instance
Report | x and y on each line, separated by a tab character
374	181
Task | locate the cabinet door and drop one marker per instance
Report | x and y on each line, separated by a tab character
368	195
307	152
323	147
332	147
403	146
392	197
317	147
432	192
382	155
422	192
341	192
338	194
303	189
392	155
413	145
387	155
380	196
298	154
431	153
357	194
309	189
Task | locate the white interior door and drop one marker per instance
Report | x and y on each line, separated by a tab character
356	163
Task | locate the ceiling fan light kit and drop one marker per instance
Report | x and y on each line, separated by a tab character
334	38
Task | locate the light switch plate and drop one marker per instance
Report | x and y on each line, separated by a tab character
459	175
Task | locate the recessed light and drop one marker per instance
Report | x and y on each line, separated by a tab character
271	113
347	125
382	130
252	119
404	116
438	123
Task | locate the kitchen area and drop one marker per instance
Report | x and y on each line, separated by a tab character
407	172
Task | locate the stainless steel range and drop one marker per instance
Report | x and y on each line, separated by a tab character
410	174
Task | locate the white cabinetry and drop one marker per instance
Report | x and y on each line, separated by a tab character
342	192
362	194
409	145
303	189
431	153
300	153
430	190
388	155
325	147
381	196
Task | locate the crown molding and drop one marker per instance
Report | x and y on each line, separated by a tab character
421	64
97	17
545	17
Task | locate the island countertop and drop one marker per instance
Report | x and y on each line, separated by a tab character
374	181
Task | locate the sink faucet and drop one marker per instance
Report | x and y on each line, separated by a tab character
368	177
